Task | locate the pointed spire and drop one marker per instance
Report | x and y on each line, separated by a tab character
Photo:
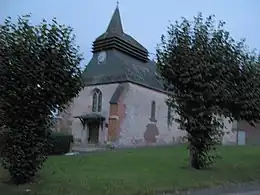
115	25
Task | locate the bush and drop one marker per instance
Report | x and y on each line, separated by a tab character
60	142
26	51
3	136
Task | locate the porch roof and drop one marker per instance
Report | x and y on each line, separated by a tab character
91	116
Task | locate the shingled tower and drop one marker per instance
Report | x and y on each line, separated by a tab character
118	57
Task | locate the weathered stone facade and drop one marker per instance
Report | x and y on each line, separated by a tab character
128	122
137	126
83	105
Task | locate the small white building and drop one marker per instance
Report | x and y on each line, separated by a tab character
123	100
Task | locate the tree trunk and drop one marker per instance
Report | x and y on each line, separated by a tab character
194	159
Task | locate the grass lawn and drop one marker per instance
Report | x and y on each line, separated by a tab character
137	172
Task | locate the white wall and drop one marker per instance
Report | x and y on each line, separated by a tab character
83	104
230	137
138	111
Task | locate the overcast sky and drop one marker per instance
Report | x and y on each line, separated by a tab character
145	20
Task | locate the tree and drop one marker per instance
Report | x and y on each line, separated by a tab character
39	72
206	71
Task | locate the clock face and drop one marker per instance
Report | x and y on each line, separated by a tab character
102	56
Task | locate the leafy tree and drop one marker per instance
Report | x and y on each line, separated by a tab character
210	76
39	72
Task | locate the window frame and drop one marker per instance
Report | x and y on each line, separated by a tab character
96	100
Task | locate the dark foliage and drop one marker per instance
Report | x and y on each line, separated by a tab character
39	72
3	136
209	76
60	142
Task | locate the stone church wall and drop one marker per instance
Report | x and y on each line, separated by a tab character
83	104
137	128
63	121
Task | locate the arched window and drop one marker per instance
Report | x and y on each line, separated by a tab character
97	101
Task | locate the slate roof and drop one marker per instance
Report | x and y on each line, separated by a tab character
126	61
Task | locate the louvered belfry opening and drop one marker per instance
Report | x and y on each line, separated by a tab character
115	38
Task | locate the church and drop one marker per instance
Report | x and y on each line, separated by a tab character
123	101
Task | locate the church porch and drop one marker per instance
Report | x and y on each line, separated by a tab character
93	127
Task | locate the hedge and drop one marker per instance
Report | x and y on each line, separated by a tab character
61	143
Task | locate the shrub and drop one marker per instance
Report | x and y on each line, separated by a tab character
60	142
40	72
1	145
3	136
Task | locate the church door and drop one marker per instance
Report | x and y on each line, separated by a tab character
93	133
